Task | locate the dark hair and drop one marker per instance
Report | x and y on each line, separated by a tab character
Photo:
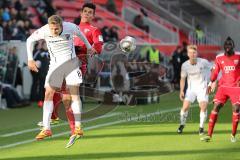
89	5
229	40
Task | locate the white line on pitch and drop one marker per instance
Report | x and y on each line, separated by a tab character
54	126
96	126
62	124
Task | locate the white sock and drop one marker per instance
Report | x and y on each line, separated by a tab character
203	117
47	113
183	117
77	108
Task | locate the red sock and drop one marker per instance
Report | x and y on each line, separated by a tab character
235	120
211	123
57	98
71	119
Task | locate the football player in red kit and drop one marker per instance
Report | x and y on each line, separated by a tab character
228	87
94	36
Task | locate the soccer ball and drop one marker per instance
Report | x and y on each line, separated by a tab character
127	44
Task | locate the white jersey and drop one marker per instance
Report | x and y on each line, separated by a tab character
60	48
197	75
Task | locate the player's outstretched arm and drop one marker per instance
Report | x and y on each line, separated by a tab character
35	36
90	49
82	37
32	65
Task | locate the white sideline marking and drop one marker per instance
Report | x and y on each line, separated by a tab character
54	126
29	130
96	126
62	124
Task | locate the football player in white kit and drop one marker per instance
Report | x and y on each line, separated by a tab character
196	71
63	65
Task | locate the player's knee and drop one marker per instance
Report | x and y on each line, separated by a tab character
66	99
203	105
186	105
49	94
235	108
74	90
75	98
217	107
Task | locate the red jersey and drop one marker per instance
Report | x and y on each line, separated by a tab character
94	36
230	67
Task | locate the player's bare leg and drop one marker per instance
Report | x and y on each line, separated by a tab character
76	108
56	102
47	112
57	98
212	120
183	115
69	113
203	116
235	120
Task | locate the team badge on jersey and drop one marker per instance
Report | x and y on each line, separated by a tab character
235	61
67	36
86	30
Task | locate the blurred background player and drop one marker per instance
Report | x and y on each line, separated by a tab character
63	65
195	70
228	87
94	36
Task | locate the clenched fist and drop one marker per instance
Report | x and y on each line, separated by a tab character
32	65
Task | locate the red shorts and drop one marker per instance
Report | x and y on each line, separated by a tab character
64	89
223	93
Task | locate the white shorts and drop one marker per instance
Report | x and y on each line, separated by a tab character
200	94
69	71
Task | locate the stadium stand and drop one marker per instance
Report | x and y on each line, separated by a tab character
21	17
70	10
229	7
158	27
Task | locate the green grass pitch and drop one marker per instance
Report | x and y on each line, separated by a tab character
127	133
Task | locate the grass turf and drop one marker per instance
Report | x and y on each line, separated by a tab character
136	136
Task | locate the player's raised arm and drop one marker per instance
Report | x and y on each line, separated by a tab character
84	39
31	40
82	36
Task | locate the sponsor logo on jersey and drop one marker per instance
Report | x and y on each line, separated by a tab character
227	69
67	36
86	30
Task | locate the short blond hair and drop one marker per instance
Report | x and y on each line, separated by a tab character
55	19
191	46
